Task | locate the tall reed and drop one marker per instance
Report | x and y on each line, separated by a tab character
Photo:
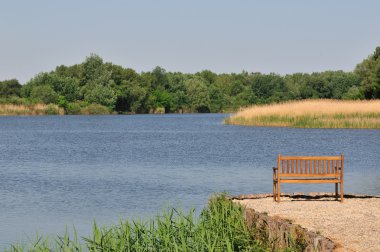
32	109
312	114
219	227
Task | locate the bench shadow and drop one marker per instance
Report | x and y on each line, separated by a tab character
305	197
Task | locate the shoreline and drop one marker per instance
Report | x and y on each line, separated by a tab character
318	113
41	109
352	225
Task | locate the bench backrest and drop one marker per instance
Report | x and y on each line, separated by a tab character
310	166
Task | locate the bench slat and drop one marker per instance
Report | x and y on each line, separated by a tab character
304	181
310	166
328	166
333	175
311	158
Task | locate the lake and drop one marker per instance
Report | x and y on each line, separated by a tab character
64	171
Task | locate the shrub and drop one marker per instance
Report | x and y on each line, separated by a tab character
73	109
53	109
44	94
96	109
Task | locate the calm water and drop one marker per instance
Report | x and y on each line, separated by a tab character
58	171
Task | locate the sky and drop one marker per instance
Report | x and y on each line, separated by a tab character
188	36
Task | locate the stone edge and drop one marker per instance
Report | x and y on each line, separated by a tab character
281	231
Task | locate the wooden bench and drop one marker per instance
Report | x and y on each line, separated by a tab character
308	169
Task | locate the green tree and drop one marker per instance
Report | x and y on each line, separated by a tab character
160	99
102	95
92	68
369	72
75	71
354	93
10	88
131	97
217	99
198	95
180	101
266	85
208	76
65	86
159	78
44	94
120	74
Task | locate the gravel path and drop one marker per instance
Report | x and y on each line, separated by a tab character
354	225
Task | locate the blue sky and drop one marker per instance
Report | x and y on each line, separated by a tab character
187	36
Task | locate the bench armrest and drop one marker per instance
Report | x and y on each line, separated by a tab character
274	168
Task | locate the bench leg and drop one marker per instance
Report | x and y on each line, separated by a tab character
278	192
341	192
336	191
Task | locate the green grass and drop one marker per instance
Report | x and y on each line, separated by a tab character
219	227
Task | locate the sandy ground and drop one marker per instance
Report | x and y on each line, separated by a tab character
354	225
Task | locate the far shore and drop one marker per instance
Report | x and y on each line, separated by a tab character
41	109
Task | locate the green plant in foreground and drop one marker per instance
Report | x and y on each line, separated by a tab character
219	227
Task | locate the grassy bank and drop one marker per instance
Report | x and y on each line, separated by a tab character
219	227
32	109
312	114
52	109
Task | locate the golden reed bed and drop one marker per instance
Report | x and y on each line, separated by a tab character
312	114
35	109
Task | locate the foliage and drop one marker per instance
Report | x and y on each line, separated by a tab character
52	109
95	109
44	94
103	95
219	227
369	72
73	109
10	88
123	90
197	93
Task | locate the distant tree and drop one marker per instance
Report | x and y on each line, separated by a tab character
126	91
197	92
102	95
160	99
320	86
208	76
264	86
92	68
65	86
44	94
131	97
217	99
159	78
354	93
369	72
180	101
10	88
120	74
75	71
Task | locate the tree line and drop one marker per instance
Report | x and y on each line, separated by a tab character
112	88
